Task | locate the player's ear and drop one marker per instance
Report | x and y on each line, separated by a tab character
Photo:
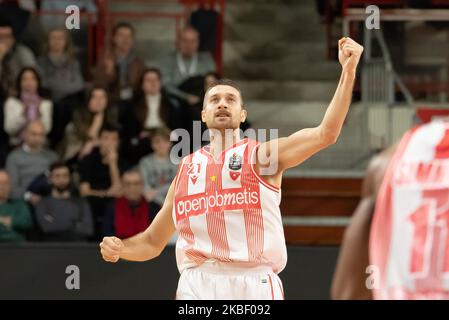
243	115
203	116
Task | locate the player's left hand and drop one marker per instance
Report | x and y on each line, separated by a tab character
349	53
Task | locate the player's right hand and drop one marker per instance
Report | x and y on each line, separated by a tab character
111	248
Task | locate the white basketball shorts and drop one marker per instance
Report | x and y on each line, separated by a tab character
226	281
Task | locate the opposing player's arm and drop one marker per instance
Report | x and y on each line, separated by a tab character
296	148
350	273
146	245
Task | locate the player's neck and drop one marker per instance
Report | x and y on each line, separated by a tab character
222	139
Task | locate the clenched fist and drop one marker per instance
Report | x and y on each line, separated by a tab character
349	53
111	248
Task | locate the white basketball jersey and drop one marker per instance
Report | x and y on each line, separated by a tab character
409	241
224	211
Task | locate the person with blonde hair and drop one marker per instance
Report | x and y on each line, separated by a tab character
61	72
61	75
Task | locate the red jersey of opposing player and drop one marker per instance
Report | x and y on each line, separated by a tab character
409	241
225	212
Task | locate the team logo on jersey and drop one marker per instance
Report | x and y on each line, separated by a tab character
235	163
193	171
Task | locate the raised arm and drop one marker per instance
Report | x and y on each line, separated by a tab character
146	245
296	148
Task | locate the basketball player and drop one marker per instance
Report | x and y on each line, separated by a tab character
231	243
400	226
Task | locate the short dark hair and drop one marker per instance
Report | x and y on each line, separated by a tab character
123	24
58	165
110	127
5	23
226	82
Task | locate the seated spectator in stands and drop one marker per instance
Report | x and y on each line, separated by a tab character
61	72
82	134
13	58
63	216
183	71
120	68
61	75
15	217
27	162
129	214
152	109
100	174
17	13
28	105
157	170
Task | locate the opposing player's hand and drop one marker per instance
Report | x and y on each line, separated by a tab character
349	53
111	248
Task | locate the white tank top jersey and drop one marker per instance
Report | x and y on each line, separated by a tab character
409	241
224	211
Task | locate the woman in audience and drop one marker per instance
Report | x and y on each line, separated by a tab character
152	109
61	74
28	105
81	135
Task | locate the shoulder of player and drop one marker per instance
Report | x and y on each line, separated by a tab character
375	172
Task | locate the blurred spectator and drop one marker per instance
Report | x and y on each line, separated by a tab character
61	72
15	217
152	108
129	214
183	71
205	20
13	57
81	135
209	79
28	161
100	174
63	216
28	105
157	170
80	36
61	75
120	68
18	13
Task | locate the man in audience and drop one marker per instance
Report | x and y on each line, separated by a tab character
100	174
157	170
13	57
15	217
63	216
120	68
129	214
25	163
183	71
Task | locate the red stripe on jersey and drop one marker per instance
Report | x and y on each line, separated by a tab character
442	149
216	226
381	226
253	217
184	225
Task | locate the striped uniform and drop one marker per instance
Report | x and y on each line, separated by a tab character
409	241
229	226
